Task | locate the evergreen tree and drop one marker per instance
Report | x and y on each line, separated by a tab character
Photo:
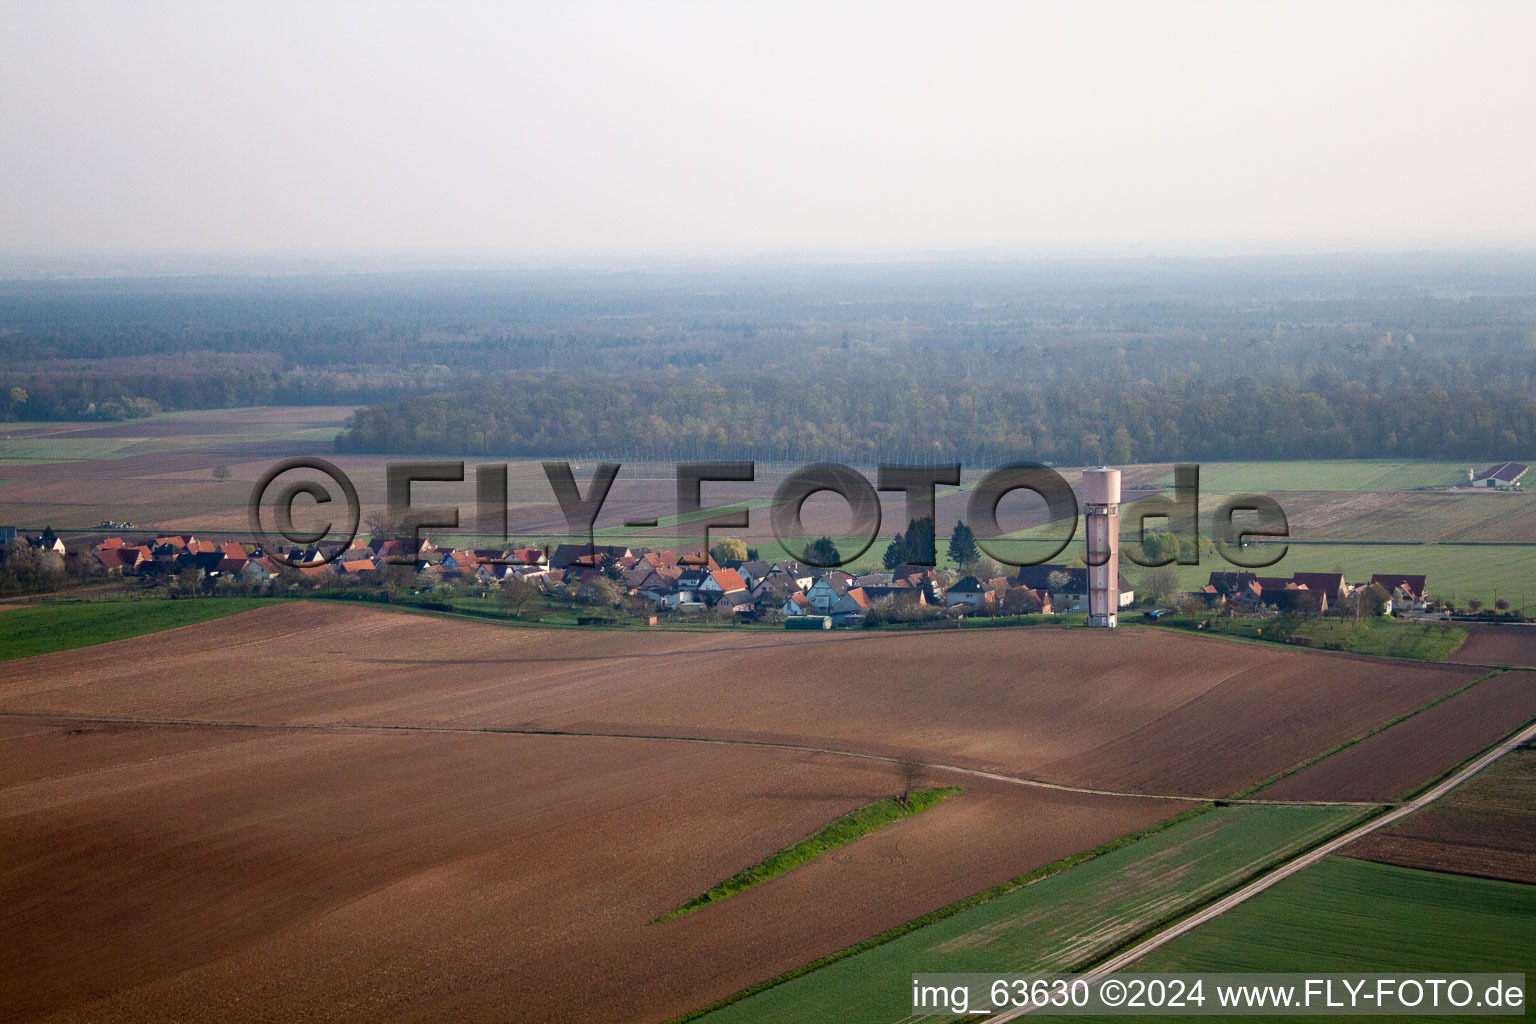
921	548
822	553
896	553
962	545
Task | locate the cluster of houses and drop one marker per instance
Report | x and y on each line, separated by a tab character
1310	593
175	554
665	579
172	555
845	598
746	589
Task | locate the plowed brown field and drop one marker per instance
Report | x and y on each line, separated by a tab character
1487	827
1137	709
308	858
1498	645
1395	760
153	873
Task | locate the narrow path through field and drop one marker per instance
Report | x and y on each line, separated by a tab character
1305	860
60	716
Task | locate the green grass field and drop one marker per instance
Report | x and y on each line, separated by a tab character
1429	516
61	625
1381	637
30	450
1354	915
1324	475
1386	638
839	832
1061	921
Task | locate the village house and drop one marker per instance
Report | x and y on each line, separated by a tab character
1406	590
1330	583
796	604
803	575
719	583
826	591
752	571
1072	593
261	569
739	602
851	608
566	555
902	596
685	590
231	566
117	558
968	592
1024	601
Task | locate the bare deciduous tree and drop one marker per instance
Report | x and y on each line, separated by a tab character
909	770
1158	584
516	595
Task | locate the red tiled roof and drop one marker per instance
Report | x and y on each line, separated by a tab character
728	580
110	558
1412	585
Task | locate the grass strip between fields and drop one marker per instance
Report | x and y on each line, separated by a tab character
1315	758
1379	637
839	832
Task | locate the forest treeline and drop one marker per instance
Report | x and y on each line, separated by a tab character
893	416
1124	361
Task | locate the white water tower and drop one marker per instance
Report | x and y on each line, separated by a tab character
1101	494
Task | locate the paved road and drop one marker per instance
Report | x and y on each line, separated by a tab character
1252	889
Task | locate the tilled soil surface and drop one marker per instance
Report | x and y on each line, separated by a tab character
1486	827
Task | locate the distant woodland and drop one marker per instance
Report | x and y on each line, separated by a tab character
1068	362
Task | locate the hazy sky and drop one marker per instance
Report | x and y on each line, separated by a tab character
557	130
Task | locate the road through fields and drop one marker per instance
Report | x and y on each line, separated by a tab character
1252	889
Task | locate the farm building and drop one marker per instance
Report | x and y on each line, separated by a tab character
1504	477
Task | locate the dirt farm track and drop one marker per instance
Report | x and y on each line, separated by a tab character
317	812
